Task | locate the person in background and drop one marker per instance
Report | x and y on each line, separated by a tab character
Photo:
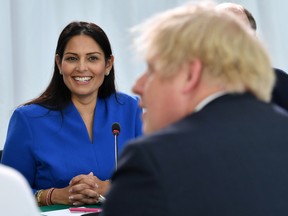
212	144
280	90
62	141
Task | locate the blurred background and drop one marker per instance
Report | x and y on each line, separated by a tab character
30	29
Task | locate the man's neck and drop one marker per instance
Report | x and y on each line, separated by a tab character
208	99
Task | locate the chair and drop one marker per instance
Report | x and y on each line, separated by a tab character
16	196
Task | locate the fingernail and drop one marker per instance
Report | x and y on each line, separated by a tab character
71	197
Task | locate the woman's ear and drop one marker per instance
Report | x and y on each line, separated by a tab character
58	62
193	75
109	63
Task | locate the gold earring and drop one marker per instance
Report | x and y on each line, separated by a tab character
107	73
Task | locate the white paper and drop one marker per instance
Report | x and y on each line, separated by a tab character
63	212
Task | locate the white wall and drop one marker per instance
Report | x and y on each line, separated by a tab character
30	29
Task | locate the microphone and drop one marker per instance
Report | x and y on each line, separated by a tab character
116	132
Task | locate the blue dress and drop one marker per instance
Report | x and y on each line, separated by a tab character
50	148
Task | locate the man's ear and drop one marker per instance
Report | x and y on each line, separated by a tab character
193	75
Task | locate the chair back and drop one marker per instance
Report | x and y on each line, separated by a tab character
16	195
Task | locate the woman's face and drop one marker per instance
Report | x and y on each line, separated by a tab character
83	67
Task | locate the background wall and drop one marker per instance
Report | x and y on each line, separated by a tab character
30	29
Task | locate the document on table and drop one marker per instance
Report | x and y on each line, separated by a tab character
63	212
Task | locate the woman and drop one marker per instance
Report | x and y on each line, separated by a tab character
62	141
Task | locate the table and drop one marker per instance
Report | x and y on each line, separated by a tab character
59	207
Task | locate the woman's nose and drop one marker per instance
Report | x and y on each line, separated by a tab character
82	66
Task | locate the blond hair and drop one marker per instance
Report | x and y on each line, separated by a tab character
230	53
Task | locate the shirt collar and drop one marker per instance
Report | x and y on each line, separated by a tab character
208	99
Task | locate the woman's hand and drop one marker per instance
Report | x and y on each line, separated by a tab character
60	196
86	189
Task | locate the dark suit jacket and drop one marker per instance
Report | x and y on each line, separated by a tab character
280	91
228	159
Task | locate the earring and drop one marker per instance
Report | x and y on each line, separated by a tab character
107	73
60	72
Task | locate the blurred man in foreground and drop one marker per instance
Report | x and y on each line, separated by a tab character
213	143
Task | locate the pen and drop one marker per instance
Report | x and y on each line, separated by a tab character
81	209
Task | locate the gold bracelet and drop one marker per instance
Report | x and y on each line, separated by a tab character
38	195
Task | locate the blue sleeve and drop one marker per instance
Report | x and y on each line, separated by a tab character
17	148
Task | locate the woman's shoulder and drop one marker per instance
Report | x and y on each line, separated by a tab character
31	110
122	97
122	100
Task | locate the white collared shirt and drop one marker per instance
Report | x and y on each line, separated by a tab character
208	99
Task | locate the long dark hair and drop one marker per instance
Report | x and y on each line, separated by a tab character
57	95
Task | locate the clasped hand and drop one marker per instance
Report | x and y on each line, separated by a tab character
86	189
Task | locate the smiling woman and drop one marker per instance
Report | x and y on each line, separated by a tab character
64	137
83	68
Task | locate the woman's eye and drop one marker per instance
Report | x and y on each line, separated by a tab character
92	58
71	58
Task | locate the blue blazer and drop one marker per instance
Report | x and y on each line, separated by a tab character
228	159
50	148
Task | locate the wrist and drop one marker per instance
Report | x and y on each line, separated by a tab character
38	196
44	197
48	198
60	196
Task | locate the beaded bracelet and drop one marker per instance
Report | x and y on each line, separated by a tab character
48	196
